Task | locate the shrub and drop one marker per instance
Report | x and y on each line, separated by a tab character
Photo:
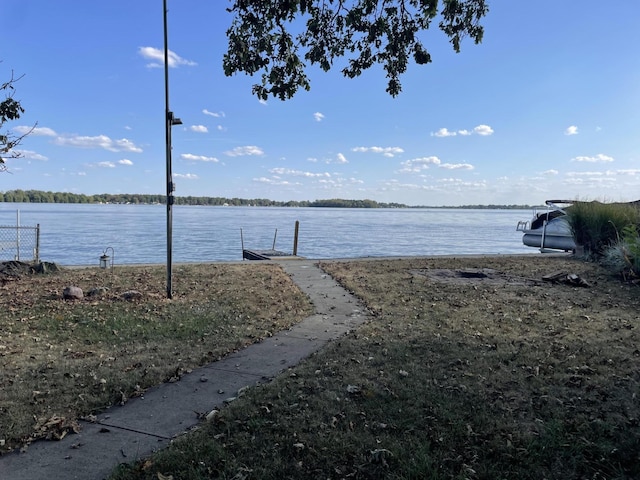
623	257
596	225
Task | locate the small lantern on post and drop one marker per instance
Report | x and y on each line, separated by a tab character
105	259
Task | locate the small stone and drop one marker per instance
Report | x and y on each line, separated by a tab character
72	293
131	295
209	416
98	292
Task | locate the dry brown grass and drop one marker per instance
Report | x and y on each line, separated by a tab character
62	359
504	376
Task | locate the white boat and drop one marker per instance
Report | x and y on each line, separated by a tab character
549	229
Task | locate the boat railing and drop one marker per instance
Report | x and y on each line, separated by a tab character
523	225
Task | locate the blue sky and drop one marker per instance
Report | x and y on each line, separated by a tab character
547	107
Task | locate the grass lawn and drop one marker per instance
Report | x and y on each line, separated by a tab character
469	368
63	359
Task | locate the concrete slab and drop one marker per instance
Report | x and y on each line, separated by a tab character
172	408
91	454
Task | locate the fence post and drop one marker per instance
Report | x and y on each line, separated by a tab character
18	235
37	252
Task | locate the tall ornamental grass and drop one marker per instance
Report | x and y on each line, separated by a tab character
608	232
623	257
596	225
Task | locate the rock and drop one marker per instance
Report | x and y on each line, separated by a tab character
46	267
131	295
98	291
72	293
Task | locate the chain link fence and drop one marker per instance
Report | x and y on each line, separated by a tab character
20	243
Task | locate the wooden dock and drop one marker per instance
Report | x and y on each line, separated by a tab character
272	254
268	255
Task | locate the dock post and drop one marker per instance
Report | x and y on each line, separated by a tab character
295	239
242	243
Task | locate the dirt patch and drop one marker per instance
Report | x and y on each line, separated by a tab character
13	269
471	276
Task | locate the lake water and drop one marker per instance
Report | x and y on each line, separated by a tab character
77	234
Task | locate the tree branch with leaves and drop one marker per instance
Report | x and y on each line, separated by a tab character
281	37
10	110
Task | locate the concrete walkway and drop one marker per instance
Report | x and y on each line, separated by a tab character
146	424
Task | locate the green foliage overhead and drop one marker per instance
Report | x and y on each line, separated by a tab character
279	38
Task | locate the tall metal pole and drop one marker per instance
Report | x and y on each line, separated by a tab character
167	124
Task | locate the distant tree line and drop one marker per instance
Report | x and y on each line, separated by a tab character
37	196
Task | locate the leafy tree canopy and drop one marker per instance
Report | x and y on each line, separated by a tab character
270	36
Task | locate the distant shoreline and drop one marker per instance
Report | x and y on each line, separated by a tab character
38	196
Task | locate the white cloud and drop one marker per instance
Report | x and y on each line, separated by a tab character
186	176
198	128
595	159
443	132
318	116
419	164
590	174
298	173
31	155
273	181
106	165
37	131
456	166
213	114
99	141
550	172
590	180
157	58
572	130
460	184
329	183
340	158
483	130
386	151
125	161
198	158
242	151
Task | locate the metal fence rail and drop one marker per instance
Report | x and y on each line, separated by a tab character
20	243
